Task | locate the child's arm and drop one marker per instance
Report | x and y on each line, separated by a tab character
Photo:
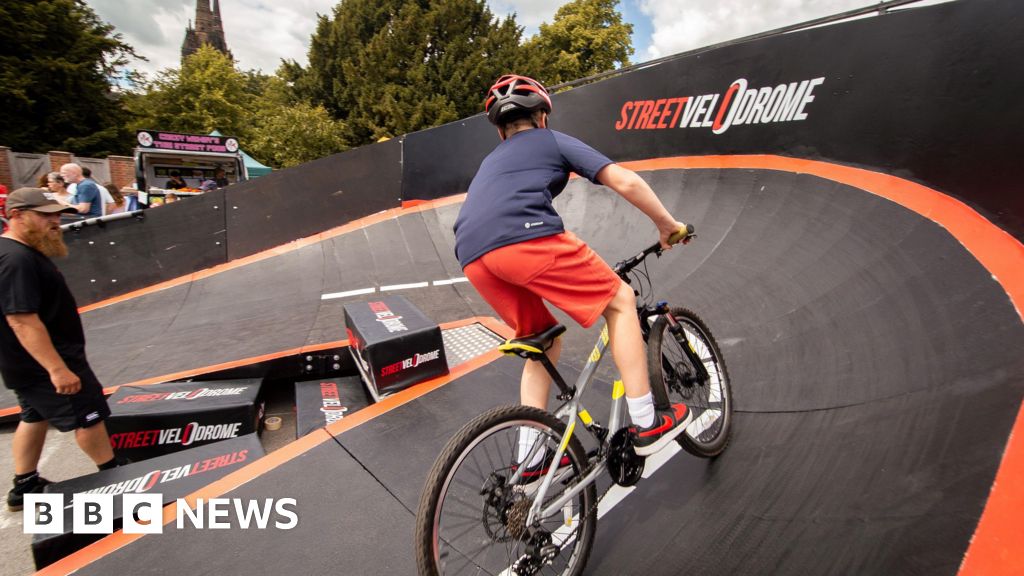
634	189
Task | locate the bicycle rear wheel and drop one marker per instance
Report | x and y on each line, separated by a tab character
711	400
471	518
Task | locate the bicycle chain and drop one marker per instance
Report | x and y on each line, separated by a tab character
584	473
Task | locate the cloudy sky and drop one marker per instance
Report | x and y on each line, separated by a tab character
262	32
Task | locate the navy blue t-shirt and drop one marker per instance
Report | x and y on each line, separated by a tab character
509	200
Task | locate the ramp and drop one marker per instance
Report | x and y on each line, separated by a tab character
874	387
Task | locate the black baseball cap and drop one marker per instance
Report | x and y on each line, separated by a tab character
35	199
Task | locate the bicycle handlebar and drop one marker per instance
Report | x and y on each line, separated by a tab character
684	235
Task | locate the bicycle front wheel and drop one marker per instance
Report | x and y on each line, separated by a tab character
709	400
472	516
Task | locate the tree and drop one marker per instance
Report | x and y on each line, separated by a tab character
206	94
287	132
395	66
55	60
586	37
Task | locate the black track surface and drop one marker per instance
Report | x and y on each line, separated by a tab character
874	379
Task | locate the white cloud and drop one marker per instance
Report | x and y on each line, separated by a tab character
681	25
529	13
261	34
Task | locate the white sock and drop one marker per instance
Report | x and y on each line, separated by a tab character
527	437
641	410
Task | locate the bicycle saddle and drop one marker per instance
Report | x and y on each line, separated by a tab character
534	344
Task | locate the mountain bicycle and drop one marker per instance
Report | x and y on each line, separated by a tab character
483	512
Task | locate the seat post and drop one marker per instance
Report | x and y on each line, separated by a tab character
567	393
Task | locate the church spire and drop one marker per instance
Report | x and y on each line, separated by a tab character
209	29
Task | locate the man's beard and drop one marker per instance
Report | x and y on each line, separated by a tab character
52	245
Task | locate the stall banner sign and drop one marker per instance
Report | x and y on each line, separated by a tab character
186	142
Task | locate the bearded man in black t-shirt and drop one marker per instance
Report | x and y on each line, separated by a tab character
42	344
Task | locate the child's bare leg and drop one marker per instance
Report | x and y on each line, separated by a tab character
627	343
536	382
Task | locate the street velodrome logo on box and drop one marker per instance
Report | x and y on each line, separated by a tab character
739	104
183	395
186	435
143	513
150	480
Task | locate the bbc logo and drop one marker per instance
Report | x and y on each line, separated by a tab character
93	514
143	514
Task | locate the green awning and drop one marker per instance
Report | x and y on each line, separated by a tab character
252	165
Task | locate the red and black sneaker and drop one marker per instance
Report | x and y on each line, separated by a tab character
533	473
667	425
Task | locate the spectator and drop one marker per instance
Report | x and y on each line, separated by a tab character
73	186
171	197
176	182
42	344
104	193
220	178
118	203
58	189
88	199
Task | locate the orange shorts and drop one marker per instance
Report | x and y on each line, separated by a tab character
516	279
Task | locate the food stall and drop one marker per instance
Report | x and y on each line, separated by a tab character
196	157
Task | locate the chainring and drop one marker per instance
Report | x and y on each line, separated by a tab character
624	465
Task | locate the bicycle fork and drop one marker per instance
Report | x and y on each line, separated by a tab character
679	334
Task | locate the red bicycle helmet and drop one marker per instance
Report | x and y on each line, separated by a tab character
512	93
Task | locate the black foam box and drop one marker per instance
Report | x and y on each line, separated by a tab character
148	421
395	345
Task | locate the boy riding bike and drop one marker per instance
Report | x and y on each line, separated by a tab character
515	251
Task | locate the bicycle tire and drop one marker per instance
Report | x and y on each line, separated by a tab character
475	453
708	435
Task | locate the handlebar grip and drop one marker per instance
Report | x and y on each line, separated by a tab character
681	235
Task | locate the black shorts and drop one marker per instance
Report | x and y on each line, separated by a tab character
86	408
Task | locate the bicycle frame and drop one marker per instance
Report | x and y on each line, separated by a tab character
573	409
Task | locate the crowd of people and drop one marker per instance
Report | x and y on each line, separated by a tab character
73	186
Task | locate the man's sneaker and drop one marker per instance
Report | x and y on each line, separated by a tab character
31	485
533	473
667	425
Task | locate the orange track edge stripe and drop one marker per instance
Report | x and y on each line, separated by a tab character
997	547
